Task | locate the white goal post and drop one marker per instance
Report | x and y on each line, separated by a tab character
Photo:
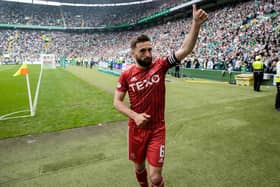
48	60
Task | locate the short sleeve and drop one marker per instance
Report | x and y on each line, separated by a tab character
172	60
122	83
168	62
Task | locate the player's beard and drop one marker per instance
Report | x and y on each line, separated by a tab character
144	63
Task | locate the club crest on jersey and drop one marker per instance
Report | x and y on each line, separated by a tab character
140	85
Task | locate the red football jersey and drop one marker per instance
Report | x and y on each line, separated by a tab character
146	90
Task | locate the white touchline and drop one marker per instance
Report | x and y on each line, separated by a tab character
37	92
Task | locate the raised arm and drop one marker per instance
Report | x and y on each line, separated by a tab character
199	17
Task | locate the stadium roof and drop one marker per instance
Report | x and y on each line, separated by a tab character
56	3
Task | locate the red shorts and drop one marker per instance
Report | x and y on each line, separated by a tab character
146	143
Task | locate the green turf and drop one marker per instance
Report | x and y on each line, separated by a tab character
14	90
64	102
218	135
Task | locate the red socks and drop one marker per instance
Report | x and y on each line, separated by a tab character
160	184
142	177
143	181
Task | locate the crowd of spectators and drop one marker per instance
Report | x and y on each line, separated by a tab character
231	38
69	16
235	35
26	14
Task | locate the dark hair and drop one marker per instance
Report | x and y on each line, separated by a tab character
139	39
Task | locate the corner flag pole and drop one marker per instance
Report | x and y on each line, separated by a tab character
23	70
29	94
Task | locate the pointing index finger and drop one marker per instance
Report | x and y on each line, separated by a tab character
194	8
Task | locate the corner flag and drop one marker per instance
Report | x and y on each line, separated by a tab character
23	70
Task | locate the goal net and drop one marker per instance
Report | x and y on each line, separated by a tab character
48	61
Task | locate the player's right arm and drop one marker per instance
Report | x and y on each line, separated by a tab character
140	119
121	106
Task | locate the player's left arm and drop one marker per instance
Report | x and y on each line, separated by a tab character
199	17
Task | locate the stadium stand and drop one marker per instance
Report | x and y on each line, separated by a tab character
230	39
32	14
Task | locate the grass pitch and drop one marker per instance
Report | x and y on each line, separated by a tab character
217	135
65	101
